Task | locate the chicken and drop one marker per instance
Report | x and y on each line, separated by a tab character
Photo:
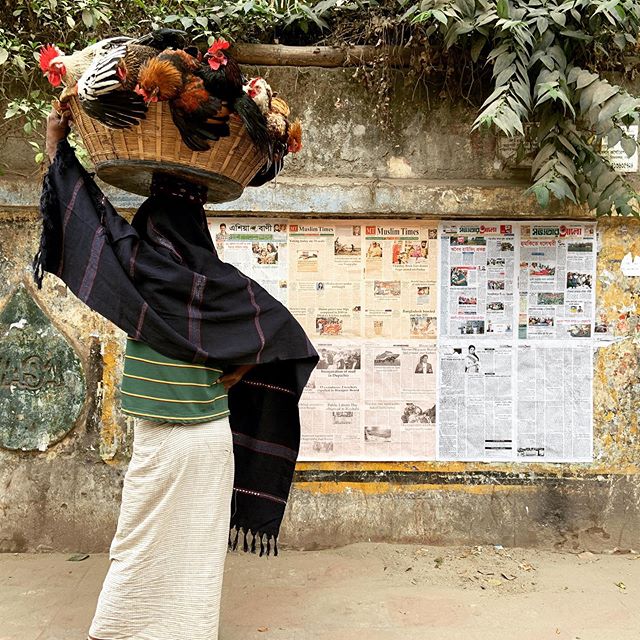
222	78
172	76
105	89
275	111
285	137
63	69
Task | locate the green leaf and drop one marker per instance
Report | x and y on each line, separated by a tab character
440	17
629	145
620	41
542	24
502	8
541	158
87	18
4	55
476	48
603	92
567	145
578	35
614	136
585	79
542	195
71	22
610	108
558	17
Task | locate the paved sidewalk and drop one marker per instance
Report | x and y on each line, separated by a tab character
363	592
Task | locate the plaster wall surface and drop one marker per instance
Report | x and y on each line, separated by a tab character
423	163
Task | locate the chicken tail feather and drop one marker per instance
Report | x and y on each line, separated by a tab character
254	122
117	109
198	135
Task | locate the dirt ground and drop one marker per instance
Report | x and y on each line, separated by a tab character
363	591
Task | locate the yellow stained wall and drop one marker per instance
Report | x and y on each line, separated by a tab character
616	389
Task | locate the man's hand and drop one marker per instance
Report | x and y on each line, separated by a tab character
233	377
57	129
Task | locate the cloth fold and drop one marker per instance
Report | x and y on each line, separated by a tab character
162	282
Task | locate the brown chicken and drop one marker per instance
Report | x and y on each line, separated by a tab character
199	116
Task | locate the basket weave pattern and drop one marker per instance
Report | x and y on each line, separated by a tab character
157	139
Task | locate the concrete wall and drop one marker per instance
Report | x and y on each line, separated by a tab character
423	163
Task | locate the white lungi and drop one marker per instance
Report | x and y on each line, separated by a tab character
167	557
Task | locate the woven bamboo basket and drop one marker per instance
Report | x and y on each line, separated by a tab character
128	158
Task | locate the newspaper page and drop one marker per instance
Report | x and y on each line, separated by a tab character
476	400
370	401
325	277
258	248
555	402
477	279
332	404
400	280
557	280
400	400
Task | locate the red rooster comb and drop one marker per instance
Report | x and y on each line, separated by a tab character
218	45
47	54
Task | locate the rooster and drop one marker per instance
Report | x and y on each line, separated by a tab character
222	78
63	69
276	112
173	76
103	74
285	137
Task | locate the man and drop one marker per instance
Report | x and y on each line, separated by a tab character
209	352
424	366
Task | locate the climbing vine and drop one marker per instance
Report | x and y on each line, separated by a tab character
540	69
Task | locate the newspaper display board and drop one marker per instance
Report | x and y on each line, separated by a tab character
455	341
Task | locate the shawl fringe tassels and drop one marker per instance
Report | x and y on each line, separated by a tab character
250	539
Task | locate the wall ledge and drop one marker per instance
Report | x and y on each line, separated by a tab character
342	197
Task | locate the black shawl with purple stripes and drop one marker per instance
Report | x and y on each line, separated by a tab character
161	281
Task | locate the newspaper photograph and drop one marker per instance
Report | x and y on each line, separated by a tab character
400	284
258	248
557	280
555	402
475	409
477	273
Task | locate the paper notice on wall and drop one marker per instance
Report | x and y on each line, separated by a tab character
258	248
325	276
557	280
400	280
476	400
618	157
371	401
477	274
554	402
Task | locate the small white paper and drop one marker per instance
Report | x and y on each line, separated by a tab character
630	265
